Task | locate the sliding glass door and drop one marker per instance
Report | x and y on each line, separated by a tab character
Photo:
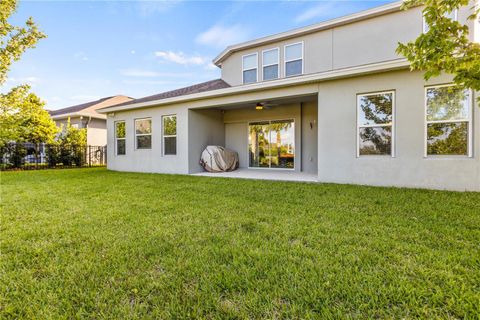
271	144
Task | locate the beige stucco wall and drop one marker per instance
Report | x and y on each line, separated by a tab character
359	43
205	128
96	129
337	138
97	132
150	160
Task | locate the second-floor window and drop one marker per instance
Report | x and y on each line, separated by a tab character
270	64
250	68
294	59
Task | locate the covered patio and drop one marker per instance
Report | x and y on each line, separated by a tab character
263	174
276	139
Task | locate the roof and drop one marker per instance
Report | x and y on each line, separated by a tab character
76	109
204	95
329	24
196	88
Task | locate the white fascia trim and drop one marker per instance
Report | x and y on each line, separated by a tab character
362	15
272	84
78	114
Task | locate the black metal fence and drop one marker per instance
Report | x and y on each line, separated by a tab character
30	156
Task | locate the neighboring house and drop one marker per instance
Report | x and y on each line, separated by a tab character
332	100
86	116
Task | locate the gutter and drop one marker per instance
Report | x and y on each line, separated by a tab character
274	84
78	114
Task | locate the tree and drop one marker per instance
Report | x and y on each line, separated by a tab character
14	40
73	136
445	47
24	119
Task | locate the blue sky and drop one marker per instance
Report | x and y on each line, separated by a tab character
138	48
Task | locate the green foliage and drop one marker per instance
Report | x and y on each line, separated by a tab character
24	119
14	40
446	46
97	244
72	142
72	136
447	139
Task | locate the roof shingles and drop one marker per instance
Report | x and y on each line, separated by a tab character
77	108
196	88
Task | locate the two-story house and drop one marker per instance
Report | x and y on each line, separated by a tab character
331	100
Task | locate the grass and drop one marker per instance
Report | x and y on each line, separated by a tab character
89	243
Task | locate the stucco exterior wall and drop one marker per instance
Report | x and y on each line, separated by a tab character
97	132
309	139
205	127
150	160
359	43
337	138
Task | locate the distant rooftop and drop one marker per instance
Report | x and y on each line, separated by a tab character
80	107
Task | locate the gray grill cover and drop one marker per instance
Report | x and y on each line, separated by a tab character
219	159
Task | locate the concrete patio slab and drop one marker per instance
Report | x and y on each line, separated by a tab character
263	174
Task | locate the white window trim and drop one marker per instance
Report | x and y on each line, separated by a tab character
168	136
143	134
243	66
455	18
285	58
392	125
469	120
272	64
116	138
294	145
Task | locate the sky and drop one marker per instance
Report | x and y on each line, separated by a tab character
96	49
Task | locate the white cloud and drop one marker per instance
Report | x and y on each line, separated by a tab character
148	8
210	66
181	58
80	56
132	52
32	81
222	36
319	11
328	10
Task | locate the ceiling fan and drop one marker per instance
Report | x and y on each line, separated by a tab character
265	105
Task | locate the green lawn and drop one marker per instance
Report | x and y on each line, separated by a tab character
89	243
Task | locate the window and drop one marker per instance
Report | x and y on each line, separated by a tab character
270	60
294	59
452	16
250	66
143	133
120	138
169	135
375	117
271	144
448	128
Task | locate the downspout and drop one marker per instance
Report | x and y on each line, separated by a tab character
301	136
